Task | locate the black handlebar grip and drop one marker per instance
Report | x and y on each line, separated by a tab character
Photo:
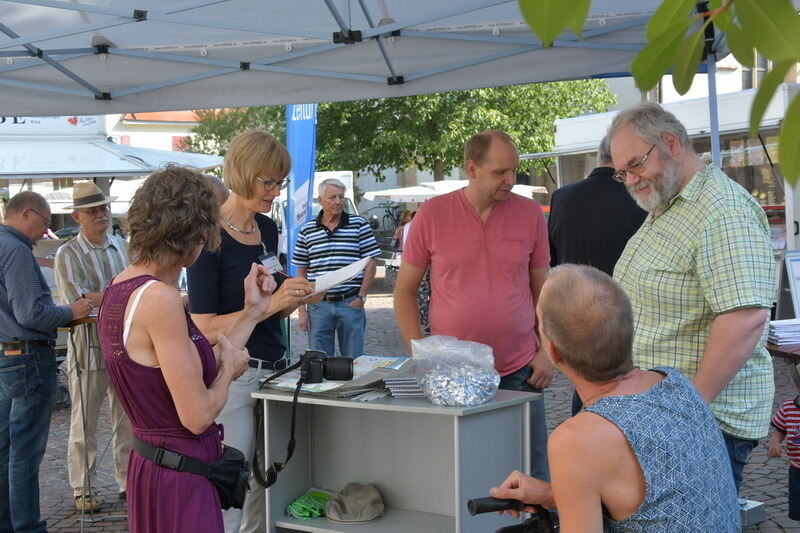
488	505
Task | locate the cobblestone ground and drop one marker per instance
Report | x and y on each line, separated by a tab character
765	479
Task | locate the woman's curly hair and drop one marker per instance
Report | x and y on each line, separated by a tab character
175	210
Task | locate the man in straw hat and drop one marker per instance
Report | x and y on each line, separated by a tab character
83	267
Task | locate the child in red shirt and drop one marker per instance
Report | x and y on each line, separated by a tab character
786	425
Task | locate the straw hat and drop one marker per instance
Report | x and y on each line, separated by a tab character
88	194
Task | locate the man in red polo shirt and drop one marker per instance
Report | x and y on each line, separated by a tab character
488	255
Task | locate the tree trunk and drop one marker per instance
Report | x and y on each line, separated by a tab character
438	170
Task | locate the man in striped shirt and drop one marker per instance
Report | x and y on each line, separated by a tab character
83	267
334	240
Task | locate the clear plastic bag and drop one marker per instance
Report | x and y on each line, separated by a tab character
455	372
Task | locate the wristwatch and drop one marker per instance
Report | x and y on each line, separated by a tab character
362	298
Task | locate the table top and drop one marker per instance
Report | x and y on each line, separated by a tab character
79	321
503	398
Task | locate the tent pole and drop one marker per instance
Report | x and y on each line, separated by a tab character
712	109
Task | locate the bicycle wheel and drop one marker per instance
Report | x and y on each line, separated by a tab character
389	222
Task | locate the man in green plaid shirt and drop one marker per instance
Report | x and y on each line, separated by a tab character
699	273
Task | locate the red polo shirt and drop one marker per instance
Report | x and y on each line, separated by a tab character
480	272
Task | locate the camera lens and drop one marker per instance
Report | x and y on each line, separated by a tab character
338	368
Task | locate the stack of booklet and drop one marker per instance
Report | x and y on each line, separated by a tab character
784	331
404	385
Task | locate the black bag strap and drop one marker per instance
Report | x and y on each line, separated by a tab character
275	467
169	459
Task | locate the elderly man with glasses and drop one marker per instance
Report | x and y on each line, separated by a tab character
83	268
28	325
699	273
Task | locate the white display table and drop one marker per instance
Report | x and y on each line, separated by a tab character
426	460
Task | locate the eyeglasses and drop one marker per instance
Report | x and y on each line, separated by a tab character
46	219
620	175
97	210
271	184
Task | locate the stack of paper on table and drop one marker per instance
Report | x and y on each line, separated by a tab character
404	385
784	331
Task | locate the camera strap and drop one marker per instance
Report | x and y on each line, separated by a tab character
275	467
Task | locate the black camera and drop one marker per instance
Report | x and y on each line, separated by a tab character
314	366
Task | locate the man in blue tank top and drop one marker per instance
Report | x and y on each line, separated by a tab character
644	454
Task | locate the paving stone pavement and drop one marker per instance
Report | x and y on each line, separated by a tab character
765	479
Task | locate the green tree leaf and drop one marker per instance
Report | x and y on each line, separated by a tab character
688	59
773	26
547	18
580	8
654	59
740	45
766	90
426	132
789	148
668	14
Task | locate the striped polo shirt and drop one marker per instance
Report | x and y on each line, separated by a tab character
322	250
787	421
82	267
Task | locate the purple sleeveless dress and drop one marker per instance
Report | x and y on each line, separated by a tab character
160	500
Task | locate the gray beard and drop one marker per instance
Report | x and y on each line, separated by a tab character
663	189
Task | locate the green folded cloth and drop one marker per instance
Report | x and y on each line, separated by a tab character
309	505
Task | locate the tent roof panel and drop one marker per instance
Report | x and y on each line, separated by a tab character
470	44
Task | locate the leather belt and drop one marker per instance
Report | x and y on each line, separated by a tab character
12	348
340	297
261	364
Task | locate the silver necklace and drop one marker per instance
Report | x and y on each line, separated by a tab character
234	228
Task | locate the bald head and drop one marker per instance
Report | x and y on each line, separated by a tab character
29	213
26	200
588	317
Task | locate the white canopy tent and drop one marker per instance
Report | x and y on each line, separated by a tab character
413	194
430	189
110	56
47	148
445	186
121	190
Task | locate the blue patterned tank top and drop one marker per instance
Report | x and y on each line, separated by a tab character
689	485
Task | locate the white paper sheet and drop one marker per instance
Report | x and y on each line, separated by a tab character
337	277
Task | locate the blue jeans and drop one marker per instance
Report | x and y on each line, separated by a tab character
738	453
337	319
27	386
518	381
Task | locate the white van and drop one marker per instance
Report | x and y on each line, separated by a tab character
278	211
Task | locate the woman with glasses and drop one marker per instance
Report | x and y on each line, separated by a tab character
255	171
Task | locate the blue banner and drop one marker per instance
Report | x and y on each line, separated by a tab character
301	141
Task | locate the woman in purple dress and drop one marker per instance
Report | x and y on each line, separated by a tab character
172	384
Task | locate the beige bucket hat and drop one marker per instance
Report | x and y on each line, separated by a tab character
88	194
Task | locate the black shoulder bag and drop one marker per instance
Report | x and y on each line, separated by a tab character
229	474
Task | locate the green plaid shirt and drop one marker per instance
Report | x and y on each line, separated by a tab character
708	253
